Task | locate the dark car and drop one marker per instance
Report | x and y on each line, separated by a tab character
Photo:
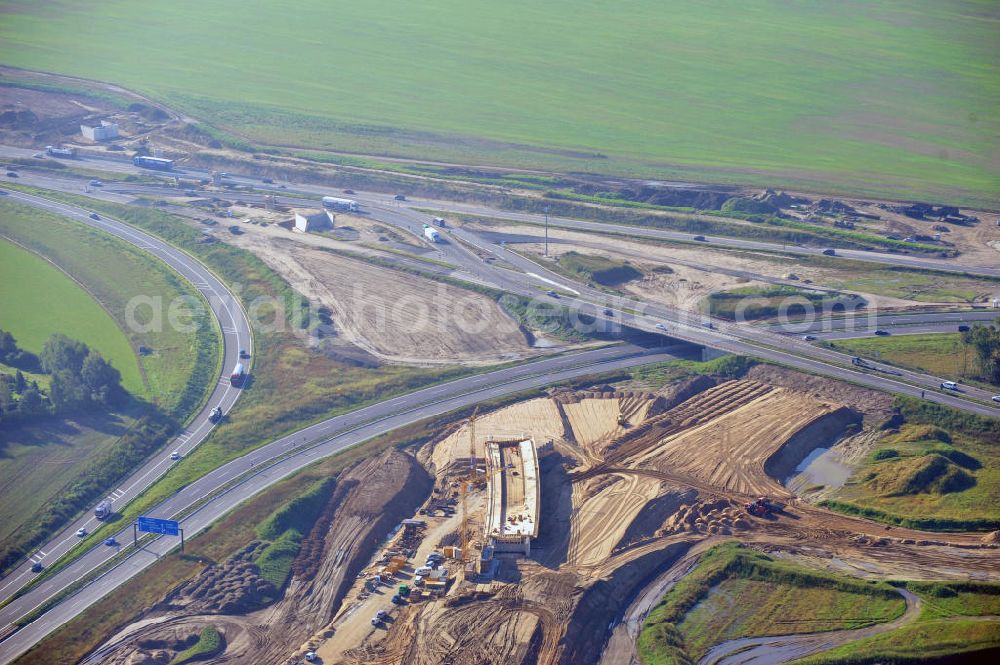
608	312
963	328
267	181
12	174
110	542
94	215
348	191
235	230
700	238
881	333
244	354
400	197
36	567
829	252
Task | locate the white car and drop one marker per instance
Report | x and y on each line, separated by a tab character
175	455
660	326
996	398
80	533
949	385
311	656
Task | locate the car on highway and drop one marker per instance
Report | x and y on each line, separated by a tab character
949	385
829	252
96	183
38	155
110	542
709	325
11	174
37	567
660	326
175	455
81	533
608	312
244	354
995	398
552	294
94	215
963	328
400	197
267	181
700	238
808	338
881	333
348	191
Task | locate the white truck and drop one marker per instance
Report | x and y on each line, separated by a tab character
336	203
431	234
103	509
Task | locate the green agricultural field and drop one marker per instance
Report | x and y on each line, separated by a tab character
40	460
894	97
37	299
175	373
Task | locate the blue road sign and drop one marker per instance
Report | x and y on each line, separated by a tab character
156	525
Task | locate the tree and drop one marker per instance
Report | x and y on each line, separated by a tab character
985	341
31	403
101	379
8	345
19	382
62	353
67	391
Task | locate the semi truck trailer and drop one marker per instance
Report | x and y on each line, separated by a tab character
335	203
156	163
238	376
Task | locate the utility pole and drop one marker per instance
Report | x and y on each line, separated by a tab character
546	231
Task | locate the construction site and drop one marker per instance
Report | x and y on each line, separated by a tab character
522	534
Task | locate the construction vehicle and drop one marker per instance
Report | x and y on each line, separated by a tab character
760	507
404	590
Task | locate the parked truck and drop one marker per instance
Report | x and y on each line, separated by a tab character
238	376
103	509
431	234
350	205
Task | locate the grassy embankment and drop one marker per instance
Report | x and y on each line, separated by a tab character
786	68
53	469
937	469
761	302
957	618
774	597
209	643
940	354
598	269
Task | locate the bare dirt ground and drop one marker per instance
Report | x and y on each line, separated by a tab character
630	483
357	517
392	315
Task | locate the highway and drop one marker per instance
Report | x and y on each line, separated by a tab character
301	448
255	471
120	165
236	335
